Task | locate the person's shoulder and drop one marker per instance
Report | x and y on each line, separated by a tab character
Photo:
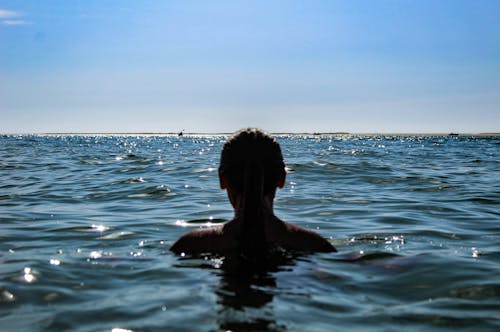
299	238
200	241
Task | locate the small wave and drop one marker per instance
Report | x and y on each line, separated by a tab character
6	166
434	188
360	256
133	169
436	234
207	222
130	181
86	229
490	290
142	160
131	156
204	170
115	235
160	191
378	238
8	197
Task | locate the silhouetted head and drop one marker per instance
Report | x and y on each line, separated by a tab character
251	158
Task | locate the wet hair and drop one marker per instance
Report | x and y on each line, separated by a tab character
252	165
251	148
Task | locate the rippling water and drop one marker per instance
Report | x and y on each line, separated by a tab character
87	222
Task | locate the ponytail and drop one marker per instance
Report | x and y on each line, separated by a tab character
253	234
252	165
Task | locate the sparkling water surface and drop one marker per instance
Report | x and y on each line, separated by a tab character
87	222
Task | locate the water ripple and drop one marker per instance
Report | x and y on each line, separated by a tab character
87	222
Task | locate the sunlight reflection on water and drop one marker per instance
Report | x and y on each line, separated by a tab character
87	223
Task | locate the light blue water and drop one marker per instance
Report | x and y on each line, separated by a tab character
86	223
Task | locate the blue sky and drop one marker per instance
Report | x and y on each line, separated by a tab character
287	66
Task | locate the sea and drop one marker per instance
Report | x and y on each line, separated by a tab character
86	223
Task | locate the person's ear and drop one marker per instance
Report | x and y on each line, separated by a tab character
222	182
281	182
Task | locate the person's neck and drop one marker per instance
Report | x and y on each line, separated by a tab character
267	212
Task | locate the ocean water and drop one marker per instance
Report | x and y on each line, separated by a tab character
86	223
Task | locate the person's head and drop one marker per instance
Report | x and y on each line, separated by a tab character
252	161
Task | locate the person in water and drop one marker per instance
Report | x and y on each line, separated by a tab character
251	169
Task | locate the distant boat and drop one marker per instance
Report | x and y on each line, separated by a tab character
452	134
181	133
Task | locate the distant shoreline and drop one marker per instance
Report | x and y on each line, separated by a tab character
273	133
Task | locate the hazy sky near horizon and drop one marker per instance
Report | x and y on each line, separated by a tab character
288	66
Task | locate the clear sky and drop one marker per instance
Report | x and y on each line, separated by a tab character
212	66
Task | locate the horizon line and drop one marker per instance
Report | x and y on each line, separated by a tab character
314	133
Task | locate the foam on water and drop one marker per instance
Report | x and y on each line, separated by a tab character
86	223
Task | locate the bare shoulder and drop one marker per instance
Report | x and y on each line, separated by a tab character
199	241
221	239
298	238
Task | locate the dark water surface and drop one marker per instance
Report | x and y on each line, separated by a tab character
87	222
